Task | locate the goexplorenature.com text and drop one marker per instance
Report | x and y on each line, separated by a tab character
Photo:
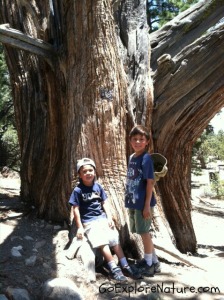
119	288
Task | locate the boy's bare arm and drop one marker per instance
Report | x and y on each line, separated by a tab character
147	208
80	231
106	208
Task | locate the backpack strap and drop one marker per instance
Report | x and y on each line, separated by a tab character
130	157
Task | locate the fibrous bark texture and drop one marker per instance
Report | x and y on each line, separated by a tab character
81	78
189	84
78	100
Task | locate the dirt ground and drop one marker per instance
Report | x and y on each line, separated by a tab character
22	231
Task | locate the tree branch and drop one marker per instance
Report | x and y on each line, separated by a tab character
187	85
17	39
185	28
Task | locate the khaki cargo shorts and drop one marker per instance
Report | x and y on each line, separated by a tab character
137	223
99	233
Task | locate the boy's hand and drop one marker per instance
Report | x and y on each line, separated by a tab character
80	233
111	223
147	213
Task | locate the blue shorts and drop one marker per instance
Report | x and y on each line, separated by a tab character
137	223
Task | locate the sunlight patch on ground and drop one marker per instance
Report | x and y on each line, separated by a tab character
5	231
10	184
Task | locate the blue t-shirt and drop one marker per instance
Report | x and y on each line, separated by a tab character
89	199
140	169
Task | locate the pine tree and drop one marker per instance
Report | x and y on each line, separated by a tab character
9	148
162	11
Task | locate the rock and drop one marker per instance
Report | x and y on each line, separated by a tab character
17	294
49	226
61	288
28	238
87	255
29	280
14	237
30	262
154	296
40	244
74	246
83	249
46	266
15	251
57	227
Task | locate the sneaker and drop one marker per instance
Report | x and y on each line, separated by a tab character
157	267
118	275
132	272
145	269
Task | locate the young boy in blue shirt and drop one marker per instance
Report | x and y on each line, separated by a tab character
93	218
139	197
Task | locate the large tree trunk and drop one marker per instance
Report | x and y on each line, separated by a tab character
99	90
193	80
43	123
80	78
185	29
79	103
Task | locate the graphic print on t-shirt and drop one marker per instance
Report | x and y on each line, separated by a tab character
134	177
90	196
140	169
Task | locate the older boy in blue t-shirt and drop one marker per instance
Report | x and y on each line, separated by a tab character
139	197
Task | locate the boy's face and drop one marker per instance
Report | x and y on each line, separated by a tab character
87	174
139	143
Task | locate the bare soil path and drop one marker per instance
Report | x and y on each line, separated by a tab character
21	229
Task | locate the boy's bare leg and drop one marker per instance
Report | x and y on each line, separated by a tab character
118	251
116	271
147	242
133	273
105	249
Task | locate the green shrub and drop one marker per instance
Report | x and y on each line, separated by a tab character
217	186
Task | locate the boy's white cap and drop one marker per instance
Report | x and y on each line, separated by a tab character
85	161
